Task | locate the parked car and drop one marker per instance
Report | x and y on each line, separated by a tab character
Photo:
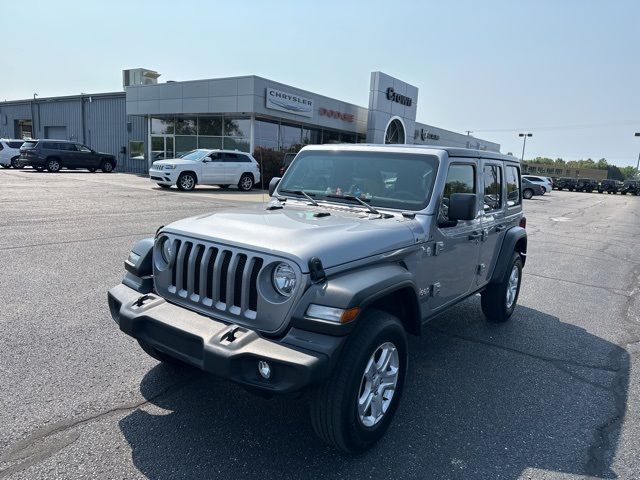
551	181
207	167
543	181
630	186
10	153
529	189
55	155
586	185
566	182
286	162
609	186
317	290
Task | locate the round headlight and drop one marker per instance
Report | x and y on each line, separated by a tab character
284	279
166	250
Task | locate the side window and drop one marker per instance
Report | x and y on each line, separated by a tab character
460	179
244	159
215	157
82	148
512	179
231	157
492	175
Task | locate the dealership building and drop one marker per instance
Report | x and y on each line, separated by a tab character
151	120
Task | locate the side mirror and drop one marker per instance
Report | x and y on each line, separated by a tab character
462	206
273	184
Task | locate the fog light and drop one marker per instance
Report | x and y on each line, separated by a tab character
264	369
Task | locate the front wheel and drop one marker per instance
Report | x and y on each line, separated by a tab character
246	182
353	409
186	182
107	166
499	299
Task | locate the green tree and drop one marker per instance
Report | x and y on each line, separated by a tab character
628	172
602	164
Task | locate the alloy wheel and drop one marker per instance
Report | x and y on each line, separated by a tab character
378	384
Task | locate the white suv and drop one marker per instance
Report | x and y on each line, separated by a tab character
544	182
10	153
207	167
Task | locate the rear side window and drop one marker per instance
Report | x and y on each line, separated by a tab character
460	179
492	175
244	159
512	178
231	157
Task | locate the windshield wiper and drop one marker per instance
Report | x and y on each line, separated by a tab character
359	200
303	193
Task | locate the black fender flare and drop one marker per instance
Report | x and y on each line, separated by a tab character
515	240
357	288
139	266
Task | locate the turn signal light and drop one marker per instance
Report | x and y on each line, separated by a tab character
523	222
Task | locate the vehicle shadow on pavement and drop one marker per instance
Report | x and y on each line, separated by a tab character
534	395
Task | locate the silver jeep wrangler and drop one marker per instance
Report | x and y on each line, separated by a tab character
317	291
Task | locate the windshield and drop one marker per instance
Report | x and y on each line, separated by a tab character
388	180
195	155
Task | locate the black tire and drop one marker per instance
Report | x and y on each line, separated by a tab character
186	181
107	166
162	185
527	194
246	182
334	404
494	301
623	193
92	169
5	166
16	163
53	165
39	169
600	191
160	356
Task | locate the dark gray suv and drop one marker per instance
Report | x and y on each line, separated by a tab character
54	155
317	291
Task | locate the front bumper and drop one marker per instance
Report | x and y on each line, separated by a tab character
298	360
163	176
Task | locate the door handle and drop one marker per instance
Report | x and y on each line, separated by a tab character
475	236
500	228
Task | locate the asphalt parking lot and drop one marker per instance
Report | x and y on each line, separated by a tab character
552	394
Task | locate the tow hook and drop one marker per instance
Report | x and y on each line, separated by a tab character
232	334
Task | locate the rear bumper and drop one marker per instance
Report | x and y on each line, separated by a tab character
33	161
205	343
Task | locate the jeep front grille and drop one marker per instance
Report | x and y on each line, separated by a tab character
215	277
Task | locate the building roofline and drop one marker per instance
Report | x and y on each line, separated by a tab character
63	98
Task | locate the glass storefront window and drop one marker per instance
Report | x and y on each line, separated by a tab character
186	126
185	144
161	126
290	138
209	142
329	136
311	136
235	143
210	126
266	134
136	150
348	137
237	127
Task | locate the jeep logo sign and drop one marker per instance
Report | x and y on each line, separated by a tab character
289	102
396	97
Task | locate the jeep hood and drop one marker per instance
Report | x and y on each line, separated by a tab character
175	161
295	232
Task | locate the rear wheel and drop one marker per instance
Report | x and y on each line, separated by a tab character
107	166
246	182
16	163
353	409
186	181
499	299
53	165
527	193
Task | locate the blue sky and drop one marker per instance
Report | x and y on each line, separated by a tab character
566	70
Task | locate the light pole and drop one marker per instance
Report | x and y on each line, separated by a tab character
524	141
638	162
